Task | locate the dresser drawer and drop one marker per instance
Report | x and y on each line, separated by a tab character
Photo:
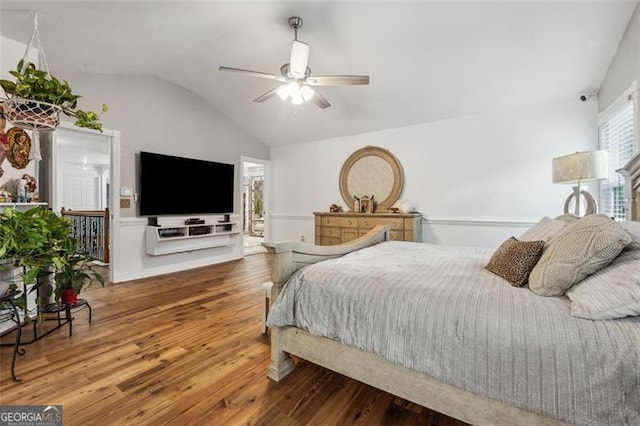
345	222
398	236
371	222
330	231
349	234
330	241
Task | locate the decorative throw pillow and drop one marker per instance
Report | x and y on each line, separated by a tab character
544	230
583	248
611	293
567	218
514	260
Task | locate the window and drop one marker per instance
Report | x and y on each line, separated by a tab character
617	137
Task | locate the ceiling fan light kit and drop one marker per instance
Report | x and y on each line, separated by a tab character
296	76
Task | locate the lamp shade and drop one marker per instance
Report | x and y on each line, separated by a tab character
581	167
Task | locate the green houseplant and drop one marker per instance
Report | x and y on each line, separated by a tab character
72	274
40	244
40	86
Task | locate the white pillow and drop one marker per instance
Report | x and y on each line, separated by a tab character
633	228
611	293
544	230
583	248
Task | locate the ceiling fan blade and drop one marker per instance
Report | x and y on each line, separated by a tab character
337	80
254	73
266	96
299	58
320	100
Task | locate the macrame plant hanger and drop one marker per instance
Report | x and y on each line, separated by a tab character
30	114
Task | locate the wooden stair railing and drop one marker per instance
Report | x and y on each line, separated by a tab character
91	229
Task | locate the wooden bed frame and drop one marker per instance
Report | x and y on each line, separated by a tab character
367	367
376	371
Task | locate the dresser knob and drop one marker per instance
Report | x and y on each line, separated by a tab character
350	222
330	232
366	223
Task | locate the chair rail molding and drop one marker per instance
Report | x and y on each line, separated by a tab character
439	220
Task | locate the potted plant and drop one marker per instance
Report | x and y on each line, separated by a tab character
72	274
37	97
33	242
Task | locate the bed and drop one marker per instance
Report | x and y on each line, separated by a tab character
461	341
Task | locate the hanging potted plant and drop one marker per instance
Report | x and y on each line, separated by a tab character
36	99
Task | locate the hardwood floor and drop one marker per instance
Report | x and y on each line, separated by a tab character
186	348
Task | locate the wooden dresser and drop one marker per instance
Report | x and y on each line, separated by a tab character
337	228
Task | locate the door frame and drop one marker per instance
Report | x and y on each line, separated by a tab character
114	187
266	191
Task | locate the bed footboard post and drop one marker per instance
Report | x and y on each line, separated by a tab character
282	268
281	363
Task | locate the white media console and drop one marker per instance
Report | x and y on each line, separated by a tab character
174	239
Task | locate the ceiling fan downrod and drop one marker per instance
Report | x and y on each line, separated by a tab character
295	23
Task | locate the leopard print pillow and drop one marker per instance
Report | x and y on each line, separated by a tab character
514	260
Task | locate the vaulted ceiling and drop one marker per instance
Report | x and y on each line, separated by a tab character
427	61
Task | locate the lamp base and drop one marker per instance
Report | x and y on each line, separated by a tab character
591	204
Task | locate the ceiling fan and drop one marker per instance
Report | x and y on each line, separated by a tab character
296	76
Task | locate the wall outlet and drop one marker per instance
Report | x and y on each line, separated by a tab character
302	238
125	203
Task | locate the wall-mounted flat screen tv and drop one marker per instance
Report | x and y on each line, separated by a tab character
184	186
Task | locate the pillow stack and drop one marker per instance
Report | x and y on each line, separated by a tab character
556	254
613	292
582	248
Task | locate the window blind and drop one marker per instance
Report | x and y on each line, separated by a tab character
617	137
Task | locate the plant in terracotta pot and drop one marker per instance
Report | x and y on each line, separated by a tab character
74	272
36	95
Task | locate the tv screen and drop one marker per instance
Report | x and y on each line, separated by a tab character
176	185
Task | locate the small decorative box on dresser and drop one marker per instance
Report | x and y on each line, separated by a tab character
338	228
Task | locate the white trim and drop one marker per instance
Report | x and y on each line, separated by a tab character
133	221
114	188
483	221
266	196
625	97
507	222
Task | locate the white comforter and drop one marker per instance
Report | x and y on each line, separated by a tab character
435	309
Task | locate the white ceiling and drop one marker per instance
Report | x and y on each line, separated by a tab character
427	60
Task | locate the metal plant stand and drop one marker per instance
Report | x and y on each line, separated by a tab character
15	316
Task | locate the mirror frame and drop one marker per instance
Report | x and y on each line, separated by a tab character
398	178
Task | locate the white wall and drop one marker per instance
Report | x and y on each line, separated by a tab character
625	66
477	179
157	116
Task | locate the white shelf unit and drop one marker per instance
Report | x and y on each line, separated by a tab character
174	239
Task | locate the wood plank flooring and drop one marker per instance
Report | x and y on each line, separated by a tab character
186	348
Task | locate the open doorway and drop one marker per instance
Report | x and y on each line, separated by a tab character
254	174
77	181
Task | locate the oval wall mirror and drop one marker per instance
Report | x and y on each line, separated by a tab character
372	171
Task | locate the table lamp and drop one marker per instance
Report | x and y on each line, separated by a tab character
578	168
